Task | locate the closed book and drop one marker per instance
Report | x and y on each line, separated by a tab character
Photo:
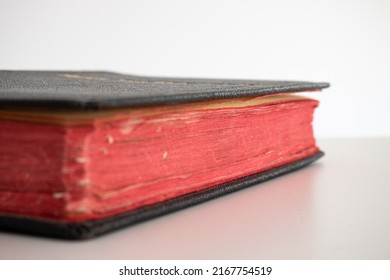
85	153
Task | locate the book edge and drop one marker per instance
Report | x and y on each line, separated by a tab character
94	228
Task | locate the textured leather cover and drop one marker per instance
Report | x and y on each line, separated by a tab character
94	90
104	89
84	230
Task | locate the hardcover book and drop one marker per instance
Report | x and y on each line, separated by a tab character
85	153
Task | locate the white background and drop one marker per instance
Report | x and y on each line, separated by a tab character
344	42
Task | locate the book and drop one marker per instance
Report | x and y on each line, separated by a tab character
85	153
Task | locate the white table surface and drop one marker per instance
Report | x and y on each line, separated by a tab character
337	208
